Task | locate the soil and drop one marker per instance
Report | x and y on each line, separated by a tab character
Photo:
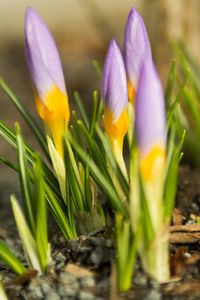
84	268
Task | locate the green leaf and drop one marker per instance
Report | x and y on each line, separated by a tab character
59	214
146	221
11	260
187	60
41	215
170	84
99	110
25	181
9	164
126	252
77	129
29	244
27	117
76	186
106	144
88	192
135	193
172	109
98	68
172	178
100	179
59	167
170	146
96	151
10	137
94	111
193	108
82	110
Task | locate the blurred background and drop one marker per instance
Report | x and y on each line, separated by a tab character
82	30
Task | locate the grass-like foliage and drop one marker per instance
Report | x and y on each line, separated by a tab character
190	109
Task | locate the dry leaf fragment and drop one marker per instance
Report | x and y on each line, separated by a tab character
77	271
185	228
193	259
184	237
190	288
184	234
20	280
177	217
178	262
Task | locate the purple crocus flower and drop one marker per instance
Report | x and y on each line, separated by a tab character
42	55
114	95
150	118
47	76
136	49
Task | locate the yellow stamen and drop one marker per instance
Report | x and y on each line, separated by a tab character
131	92
55	112
116	131
153	163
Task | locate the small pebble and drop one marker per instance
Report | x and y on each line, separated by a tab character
108	243
187	255
86	296
153	295
104	283
87	281
60	257
60	266
96	256
83	237
140	279
45	286
67	291
69	279
154	284
73	245
52	296
35	292
194	206
190	222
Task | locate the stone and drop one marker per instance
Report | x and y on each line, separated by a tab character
67	291
87	281
69	280
96	256
83	295
52	296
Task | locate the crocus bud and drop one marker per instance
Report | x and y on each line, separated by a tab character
114	95
150	122
136	49
47	76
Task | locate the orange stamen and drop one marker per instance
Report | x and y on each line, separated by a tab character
116	131
131	92
153	163
55	112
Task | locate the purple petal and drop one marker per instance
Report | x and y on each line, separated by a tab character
150	115
136	45
42	55
114	83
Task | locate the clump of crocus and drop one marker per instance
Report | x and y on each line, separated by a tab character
114	95
136	49
47	76
150	127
